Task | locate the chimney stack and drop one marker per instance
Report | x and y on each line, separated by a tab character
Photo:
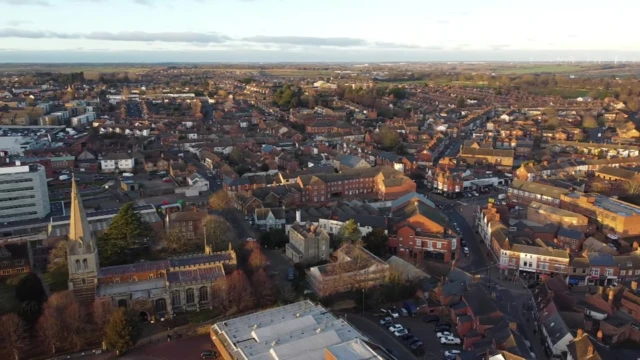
635	245
612	295
600	335
600	290
299	216
579	334
590	351
634	285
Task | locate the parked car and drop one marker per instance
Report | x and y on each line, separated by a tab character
449	340
430	318
408	337
465	250
441	329
394	313
416	344
404	312
208	355
386	321
451	354
400	332
396	327
443	334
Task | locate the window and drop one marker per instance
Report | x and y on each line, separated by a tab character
150	276
623	272
4	263
116	281
122	303
203	294
595	272
175	298
609	272
6	272
85	264
190	296
161	305
77	265
133	279
20	262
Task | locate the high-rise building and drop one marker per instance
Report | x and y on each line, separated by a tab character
23	193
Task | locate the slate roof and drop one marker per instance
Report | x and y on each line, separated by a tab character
601	259
197	275
570	233
476	299
350	160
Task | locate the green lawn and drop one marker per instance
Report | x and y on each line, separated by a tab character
197	317
56	281
8	301
538	68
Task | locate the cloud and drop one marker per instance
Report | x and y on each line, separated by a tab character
307	41
498	47
18	22
443	22
206	38
129	36
26	2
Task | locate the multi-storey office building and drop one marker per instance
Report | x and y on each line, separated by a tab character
23	193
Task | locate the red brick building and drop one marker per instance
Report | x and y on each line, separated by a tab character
420	230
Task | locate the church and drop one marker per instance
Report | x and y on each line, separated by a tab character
153	289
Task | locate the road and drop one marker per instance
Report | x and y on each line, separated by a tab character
477	254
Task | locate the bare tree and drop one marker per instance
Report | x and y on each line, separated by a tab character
220	201
75	324
632	187
58	258
13	335
101	311
287	293
262	287
54	328
218	231
177	242
257	260
239	291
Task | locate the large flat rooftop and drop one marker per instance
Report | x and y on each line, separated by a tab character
301	330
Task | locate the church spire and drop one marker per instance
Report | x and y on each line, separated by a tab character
80	236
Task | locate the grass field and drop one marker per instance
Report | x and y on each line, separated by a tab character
8	301
538	68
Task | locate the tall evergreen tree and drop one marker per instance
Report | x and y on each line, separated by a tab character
121	332
126	229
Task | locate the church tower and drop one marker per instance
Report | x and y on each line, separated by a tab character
82	251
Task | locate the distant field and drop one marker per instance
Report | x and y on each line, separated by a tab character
532	69
69	68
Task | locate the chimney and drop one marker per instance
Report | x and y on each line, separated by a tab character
634	285
513	325
299	216
600	290
612	295
600	335
590	351
635	245
579	334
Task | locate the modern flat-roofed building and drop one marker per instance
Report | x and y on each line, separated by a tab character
297	331
23	193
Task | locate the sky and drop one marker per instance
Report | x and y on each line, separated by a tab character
316	31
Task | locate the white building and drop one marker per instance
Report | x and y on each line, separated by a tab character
117	162
297	331
23	193
83	119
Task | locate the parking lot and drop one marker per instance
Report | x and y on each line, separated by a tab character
416	326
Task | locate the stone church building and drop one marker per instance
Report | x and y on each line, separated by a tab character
152	288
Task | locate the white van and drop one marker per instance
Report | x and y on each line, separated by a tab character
127	174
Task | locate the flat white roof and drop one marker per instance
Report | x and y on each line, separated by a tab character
353	350
287	332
